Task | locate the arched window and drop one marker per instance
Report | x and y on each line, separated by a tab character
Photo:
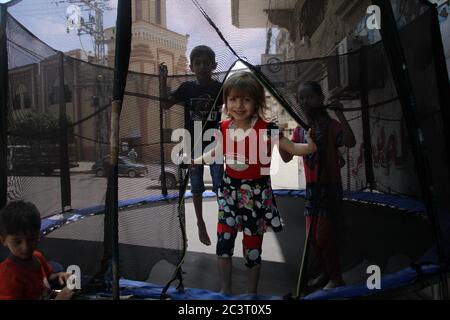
54	93
22	98
158	12
138	10
311	16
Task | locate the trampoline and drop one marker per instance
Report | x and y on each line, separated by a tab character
405	259
135	237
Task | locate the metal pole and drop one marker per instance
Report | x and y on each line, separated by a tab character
3	107
370	179
63	144
122	58
162	94
301	280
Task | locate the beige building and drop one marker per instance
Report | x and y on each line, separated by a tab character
152	44
35	88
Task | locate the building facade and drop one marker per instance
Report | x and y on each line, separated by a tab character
152	44
310	29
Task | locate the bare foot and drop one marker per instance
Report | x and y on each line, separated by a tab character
203	234
320	281
334	284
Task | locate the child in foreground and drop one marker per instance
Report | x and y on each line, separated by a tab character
245	199
25	274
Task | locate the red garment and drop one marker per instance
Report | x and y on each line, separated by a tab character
311	165
255	158
325	245
19	282
323	193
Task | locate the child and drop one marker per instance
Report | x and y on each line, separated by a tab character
198	98
25	274
323	178
245	197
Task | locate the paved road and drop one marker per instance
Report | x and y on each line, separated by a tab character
86	189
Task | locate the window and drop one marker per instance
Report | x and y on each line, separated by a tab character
54	95
158	12
21	98
138	10
311	16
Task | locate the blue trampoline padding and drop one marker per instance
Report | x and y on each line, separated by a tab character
403	203
399	202
406	204
144	290
405	277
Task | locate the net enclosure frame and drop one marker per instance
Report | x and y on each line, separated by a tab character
395	53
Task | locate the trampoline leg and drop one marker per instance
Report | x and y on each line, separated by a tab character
305	258
180	279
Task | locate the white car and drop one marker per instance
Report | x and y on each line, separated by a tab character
174	174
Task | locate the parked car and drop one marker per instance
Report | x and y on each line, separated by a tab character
34	159
173	174
125	167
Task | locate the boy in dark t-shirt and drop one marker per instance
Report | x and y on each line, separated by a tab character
203	105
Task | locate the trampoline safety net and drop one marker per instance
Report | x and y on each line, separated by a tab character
59	120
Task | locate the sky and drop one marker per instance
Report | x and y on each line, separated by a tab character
47	20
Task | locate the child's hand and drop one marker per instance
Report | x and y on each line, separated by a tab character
338	108
62	277
311	144
196	162
64	294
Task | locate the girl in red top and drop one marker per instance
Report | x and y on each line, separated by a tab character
323	179
245	198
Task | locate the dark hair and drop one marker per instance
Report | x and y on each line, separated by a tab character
19	217
245	83
202	50
315	86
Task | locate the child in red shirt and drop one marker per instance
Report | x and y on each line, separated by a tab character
323	179
245	199
25	274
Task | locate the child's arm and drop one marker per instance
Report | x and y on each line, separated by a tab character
169	103
285	156
347	134
298	149
60	277
176	97
210	156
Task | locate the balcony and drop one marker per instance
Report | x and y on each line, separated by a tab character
255	13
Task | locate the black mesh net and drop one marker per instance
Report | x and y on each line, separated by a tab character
66	178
